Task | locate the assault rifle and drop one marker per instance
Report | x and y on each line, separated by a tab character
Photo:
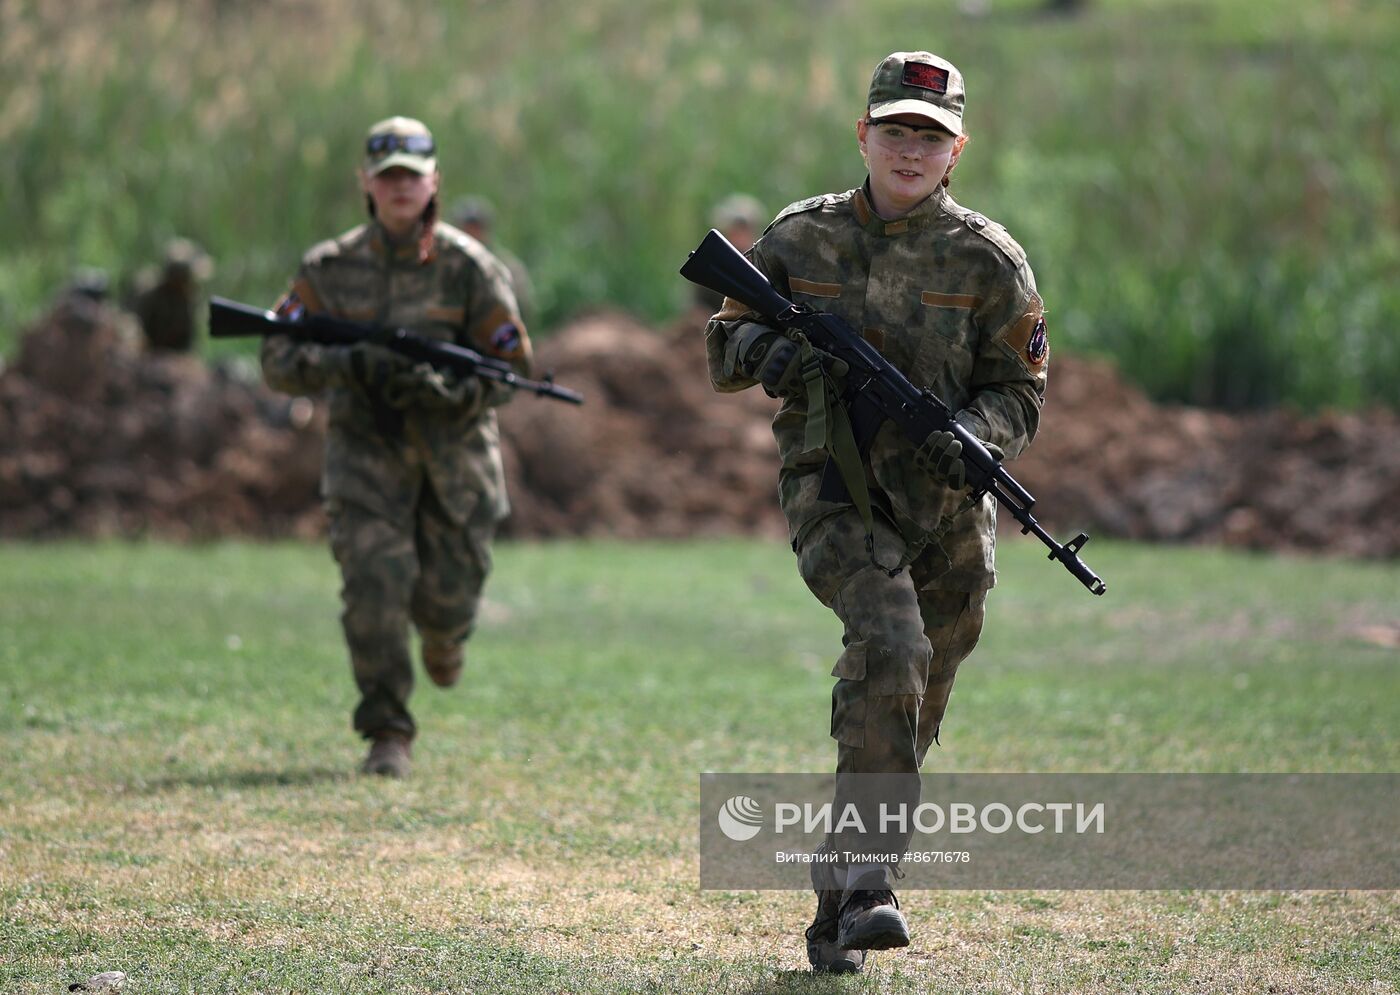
229	319
875	391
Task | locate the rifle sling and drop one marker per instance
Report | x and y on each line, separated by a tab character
829	427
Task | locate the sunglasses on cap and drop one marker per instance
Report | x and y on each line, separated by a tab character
382	145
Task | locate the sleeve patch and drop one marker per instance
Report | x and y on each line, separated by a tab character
290	307
300	299
505	340
1039	344
1028	337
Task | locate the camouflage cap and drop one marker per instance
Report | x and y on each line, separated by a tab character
918	83
400	141
738	209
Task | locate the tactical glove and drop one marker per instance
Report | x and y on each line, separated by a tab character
772	359
423	386
941	458
776	361
364	365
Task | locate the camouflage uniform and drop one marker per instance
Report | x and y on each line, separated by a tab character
413	496
948	298
165	300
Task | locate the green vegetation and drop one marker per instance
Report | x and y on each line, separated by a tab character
1206	188
177	799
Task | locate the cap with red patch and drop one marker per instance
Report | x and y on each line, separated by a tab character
918	83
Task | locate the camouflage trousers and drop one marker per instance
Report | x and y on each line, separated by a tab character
904	640
429	572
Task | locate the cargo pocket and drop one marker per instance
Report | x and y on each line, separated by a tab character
848	697
884	613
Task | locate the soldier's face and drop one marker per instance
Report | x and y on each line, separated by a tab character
907	156
400	196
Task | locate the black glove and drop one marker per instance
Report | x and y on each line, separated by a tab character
941	458
775	361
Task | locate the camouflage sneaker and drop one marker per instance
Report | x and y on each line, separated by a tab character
443	662
389	756
870	920
822	952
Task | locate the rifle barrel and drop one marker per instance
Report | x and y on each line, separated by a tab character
231	319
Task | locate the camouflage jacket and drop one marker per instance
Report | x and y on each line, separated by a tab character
948	298
376	456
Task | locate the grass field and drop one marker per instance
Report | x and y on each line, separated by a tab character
177	798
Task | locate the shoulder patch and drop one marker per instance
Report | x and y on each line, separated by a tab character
799	207
1028	337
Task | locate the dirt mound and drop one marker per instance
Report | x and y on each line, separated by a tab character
97	439
1109	460
654	452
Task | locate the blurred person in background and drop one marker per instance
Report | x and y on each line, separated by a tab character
413	484
947	297
738	218
165	298
475	216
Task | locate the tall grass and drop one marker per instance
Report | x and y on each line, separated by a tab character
1206	189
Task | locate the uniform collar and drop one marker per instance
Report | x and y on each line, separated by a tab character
404	249
915	220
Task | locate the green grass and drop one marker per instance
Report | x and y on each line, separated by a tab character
1205	187
178	799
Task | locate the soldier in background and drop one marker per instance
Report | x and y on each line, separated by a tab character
475	216
166	299
413	483
948	298
738	218
83	344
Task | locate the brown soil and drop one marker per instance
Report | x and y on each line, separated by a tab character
97	440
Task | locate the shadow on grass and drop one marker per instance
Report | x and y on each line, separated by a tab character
242	779
804	983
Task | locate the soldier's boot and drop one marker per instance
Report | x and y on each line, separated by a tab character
822	951
389	756
443	662
870	918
